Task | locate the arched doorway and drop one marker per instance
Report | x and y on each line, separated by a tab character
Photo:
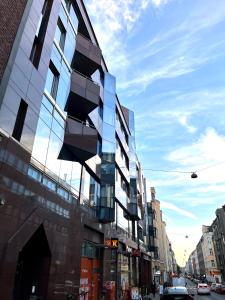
31	279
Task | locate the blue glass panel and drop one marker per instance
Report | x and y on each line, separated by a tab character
70	44
49	183
109	100
62	93
64	194
34	173
47	104
63	16
110	83
74	18
109	132
41	142
56	57
109	115
58	129
46	115
59	118
52	161
49	81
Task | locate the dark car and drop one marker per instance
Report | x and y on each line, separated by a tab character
176	293
220	288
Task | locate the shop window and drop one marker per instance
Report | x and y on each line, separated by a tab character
21	115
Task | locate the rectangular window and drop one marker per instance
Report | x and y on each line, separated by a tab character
34	173
21	115
40	33
49	183
60	34
52	80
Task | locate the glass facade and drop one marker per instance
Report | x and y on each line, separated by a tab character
51	124
106	208
90	189
133	206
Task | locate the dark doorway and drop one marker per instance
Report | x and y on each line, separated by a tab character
31	280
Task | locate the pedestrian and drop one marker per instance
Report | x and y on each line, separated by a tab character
165	285
153	288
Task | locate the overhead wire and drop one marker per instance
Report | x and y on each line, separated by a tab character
185	172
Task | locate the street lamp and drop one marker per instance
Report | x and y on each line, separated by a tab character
194	175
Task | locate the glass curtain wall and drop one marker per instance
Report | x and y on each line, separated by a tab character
132	205
106	208
51	123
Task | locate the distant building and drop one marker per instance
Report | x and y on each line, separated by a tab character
218	237
211	272
163	261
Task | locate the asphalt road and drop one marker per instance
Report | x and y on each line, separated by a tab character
192	287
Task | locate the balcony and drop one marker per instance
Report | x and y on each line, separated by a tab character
152	231
83	97
88	56
80	141
134	212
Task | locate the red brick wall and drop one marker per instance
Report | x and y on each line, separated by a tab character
11	12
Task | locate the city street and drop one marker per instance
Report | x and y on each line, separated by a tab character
192	287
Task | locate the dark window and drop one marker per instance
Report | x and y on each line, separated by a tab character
18	128
52	80
60	34
68	4
36	50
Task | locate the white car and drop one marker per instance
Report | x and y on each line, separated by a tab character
203	288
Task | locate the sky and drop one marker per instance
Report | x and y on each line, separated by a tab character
168	57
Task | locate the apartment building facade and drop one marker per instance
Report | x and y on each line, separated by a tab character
218	238
71	190
163	258
202	261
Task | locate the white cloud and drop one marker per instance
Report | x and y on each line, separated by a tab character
112	21
116	21
159	2
208	150
178	210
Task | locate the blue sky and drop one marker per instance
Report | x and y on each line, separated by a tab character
169	60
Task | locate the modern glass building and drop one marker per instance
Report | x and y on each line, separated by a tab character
71	188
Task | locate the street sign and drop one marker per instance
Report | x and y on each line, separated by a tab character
112	243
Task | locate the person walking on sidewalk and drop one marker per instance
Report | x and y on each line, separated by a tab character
153	288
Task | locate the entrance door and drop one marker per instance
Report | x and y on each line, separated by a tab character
31	279
89	279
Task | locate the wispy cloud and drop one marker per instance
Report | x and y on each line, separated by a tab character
209	149
113	20
173	207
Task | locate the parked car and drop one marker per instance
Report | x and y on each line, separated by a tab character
220	288
214	286
176	293
203	288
